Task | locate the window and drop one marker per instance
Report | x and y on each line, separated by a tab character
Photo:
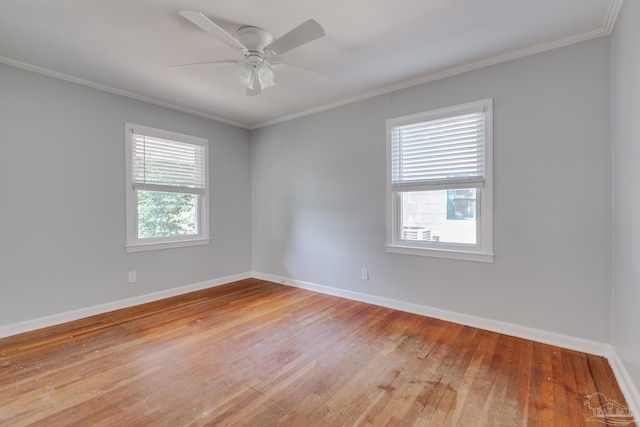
167	189
439	183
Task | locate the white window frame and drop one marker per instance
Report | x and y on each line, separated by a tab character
135	244
482	251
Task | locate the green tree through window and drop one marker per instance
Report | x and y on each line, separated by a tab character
166	214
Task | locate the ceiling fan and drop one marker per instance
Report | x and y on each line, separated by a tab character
256	71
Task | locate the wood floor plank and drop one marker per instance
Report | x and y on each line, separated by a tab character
476	404
256	353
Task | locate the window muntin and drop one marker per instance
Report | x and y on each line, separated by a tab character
439	182
167	189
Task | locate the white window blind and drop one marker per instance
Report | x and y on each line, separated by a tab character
169	166
442	153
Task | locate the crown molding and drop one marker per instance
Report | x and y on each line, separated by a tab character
606	29
612	16
109	89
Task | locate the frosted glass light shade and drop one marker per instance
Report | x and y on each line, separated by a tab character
265	76
246	75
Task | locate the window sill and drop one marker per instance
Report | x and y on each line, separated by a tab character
441	253
140	247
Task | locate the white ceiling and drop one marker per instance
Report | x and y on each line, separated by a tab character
371	46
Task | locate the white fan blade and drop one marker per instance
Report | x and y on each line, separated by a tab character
212	28
311	76
206	64
304	33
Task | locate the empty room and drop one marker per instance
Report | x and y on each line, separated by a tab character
298	213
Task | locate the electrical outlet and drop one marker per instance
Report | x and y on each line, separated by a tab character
364	274
132	277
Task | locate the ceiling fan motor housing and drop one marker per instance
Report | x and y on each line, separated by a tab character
255	39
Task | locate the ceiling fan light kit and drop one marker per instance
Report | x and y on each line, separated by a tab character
256	71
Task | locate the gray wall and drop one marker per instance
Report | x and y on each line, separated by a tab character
62	204
319	196
626	199
306	198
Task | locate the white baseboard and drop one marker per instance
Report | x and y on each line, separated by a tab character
56	319
565	341
630	391
592	347
552	338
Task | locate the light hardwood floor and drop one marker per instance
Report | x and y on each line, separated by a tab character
255	353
